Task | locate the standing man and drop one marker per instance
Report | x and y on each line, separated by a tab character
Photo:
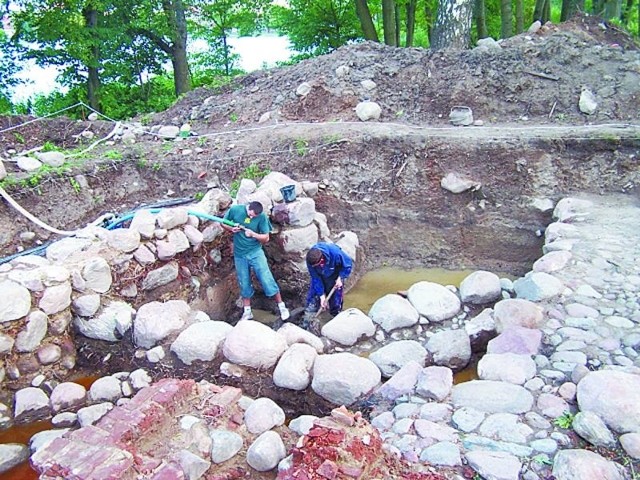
328	266
251	231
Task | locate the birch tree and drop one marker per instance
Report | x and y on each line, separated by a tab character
453	25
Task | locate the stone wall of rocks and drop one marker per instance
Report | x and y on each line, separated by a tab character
99	281
544	334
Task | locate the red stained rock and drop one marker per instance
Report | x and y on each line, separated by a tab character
328	469
343	416
169	471
353	472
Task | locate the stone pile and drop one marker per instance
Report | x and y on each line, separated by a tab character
562	375
100	280
577	311
180	429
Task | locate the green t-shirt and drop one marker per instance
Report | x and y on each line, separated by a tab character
243	245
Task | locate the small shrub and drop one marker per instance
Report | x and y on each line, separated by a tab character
565	420
50	147
301	146
75	184
113	155
252	172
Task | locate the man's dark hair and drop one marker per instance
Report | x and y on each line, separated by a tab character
314	256
256	207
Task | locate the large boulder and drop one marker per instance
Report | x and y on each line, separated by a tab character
492	397
15	302
537	286
348	327
253	344
156	320
294	367
517	312
450	348
583	464
342	378
110	323
434	301
392	312
200	341
395	355
480	287
614	396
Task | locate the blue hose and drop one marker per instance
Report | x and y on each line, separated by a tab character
40	250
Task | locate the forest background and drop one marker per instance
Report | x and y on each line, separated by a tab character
113	54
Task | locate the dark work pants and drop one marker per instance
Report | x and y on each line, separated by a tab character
335	302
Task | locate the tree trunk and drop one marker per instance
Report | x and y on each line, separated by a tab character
481	19
430	21
411	22
453	24
612	9
93	74
597	7
546	13
519	16
506	20
389	22
225	48
366	22
569	9
626	13
396	16
538	11
174	10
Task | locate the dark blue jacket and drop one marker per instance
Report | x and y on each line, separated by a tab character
337	263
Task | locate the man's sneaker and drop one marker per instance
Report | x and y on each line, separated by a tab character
247	315
284	313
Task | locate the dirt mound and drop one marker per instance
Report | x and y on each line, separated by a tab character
383	178
537	76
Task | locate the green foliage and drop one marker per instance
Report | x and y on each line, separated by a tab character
146	119
35	179
542	459
233	116
198	196
317	27
9	182
50	147
301	146
19	138
331	139
252	172
141	163
8	68
156	166
215	21
202	141
113	155
565	420
75	184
